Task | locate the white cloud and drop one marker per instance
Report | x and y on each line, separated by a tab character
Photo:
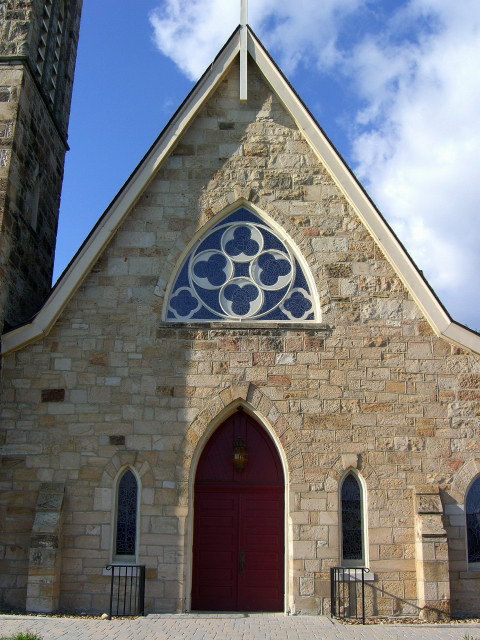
417	142
191	32
185	31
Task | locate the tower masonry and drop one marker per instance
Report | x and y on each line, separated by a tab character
38	46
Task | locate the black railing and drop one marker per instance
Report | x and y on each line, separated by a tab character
347	588
127	590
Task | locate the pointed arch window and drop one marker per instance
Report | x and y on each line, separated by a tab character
242	269
127	517
472	508
352	529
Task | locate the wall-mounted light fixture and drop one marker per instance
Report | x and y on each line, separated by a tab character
239	455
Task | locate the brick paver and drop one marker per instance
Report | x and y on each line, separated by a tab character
236	626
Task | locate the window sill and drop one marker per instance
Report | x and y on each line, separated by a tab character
355	575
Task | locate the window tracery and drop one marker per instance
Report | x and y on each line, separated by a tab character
241	269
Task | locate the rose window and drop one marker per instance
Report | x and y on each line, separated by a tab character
241	270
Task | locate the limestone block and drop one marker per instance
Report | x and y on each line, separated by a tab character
429	504
117	266
307	586
304	549
39	605
393	564
350	460
42	560
46	522
102	499
432	526
435	571
299	517
381	535
62	364
140	239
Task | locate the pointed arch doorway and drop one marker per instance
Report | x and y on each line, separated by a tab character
238	530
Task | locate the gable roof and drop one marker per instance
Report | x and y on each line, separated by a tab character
91	249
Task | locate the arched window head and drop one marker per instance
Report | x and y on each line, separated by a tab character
352	521
126	525
241	269
473	521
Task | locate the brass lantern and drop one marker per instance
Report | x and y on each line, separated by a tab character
239	455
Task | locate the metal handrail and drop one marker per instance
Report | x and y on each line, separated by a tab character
344	598
127	590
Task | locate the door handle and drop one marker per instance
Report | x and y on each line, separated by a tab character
242	561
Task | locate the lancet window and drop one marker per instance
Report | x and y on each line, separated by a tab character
352	521
126	525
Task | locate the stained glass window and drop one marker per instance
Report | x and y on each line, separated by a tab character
352	547
473	521
127	515
241	269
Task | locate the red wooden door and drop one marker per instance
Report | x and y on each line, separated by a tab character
238	548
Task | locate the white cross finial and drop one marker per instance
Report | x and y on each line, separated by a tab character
243	50
244	13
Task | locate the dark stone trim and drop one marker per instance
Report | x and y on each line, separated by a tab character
243	328
53	395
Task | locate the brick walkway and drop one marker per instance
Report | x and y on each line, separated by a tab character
226	627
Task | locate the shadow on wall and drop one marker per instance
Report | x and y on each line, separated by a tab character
378	603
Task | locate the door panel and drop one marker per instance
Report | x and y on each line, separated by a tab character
215	552
261	537
239	515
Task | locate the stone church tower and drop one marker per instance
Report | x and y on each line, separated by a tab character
38	46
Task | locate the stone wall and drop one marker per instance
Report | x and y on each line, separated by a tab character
368	388
33	151
19	27
33	135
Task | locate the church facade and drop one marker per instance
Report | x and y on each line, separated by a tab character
241	381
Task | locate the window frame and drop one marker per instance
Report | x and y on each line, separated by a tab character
364	560
124	558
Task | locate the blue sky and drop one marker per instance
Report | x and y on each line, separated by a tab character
394	84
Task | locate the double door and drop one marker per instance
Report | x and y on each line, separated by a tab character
238	550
